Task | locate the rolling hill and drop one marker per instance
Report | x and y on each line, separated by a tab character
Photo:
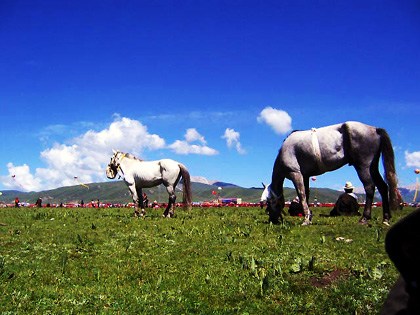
117	192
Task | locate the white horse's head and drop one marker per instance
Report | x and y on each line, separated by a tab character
114	164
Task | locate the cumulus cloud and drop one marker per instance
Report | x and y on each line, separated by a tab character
84	156
232	140
20	178
82	159
193	135
187	147
412	159
278	120
183	147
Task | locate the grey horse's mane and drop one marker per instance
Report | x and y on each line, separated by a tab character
293	131
296	130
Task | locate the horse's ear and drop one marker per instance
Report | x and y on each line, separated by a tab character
114	151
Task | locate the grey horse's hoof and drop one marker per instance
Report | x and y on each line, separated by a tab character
308	219
306	222
386	222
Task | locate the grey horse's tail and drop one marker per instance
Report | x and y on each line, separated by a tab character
186	191
388	160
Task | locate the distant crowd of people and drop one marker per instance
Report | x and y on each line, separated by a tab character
346	204
92	204
38	202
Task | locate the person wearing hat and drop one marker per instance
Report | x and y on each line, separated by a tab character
346	203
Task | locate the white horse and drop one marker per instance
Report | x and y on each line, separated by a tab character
313	152
140	174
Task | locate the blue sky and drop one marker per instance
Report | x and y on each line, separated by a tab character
192	80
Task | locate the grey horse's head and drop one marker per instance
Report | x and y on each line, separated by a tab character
275	206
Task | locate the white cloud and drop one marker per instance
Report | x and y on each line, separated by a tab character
232	140
20	178
85	156
278	120
83	159
193	135
186	147
183	147
124	134
412	159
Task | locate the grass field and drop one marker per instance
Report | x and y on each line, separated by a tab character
205	261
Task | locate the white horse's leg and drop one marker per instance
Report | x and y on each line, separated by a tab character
135	196
170	208
141	202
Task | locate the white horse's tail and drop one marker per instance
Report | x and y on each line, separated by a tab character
186	180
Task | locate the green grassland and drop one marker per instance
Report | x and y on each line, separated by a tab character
203	261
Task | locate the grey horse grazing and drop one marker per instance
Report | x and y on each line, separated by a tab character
140	174
313	152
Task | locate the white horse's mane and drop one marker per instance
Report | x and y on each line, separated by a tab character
131	156
128	155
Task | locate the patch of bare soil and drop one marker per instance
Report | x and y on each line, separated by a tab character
329	278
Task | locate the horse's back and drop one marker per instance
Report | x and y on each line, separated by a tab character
331	137
362	135
313	151
324	149
169	163
363	144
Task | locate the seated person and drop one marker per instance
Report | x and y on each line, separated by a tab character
346	203
295	208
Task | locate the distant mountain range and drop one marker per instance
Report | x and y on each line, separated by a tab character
203	180
203	190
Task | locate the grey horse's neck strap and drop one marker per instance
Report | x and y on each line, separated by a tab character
317	150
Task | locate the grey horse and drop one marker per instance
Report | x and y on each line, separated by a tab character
313	152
